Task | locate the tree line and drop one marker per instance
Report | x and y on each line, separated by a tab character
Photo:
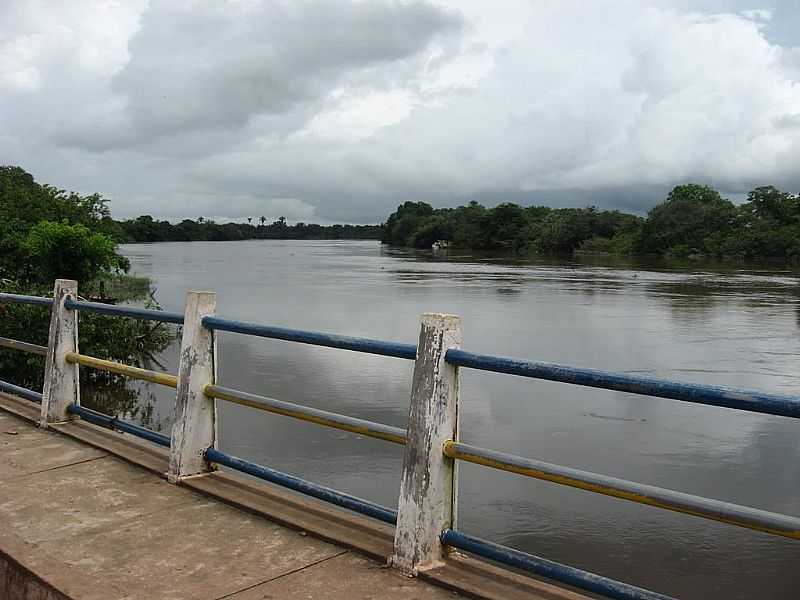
147	229
693	220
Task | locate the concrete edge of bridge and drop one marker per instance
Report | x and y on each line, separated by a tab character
461	573
19	576
23	563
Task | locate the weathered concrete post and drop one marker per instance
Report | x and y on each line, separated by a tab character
61	381
195	425
427	502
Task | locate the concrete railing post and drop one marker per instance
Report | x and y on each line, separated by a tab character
428	488
61	382
195	426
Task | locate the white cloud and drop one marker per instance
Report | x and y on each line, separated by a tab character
348	108
354	117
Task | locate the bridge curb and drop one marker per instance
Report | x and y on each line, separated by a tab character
18	576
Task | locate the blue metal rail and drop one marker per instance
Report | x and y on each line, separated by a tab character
10	388
749	400
125	311
364	507
22	299
584	580
315	338
105	420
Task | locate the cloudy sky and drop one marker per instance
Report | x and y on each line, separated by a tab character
332	110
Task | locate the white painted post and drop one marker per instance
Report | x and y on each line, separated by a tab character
195	426
61	381
428	488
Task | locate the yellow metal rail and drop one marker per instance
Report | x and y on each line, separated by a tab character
312	415
121	369
23	346
715	510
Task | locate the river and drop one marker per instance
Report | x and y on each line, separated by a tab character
697	323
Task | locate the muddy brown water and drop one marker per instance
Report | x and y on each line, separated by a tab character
719	324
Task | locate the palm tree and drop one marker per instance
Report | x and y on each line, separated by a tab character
263	220
249	220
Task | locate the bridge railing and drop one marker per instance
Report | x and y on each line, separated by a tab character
425	518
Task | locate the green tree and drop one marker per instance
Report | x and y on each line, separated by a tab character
770	203
60	250
502	226
689	218
402	223
564	229
434	228
769	227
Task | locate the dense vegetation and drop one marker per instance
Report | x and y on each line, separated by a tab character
46	233
694	220
147	229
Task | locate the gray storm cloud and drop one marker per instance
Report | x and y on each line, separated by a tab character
217	65
339	110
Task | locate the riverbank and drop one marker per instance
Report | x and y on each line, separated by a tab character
694	220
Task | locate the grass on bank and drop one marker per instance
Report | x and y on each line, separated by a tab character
120	286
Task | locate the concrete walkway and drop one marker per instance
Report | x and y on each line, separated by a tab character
94	527
86	514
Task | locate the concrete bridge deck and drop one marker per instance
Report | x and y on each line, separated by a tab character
85	514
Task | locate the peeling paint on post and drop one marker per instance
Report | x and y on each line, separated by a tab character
427	502
61	387
195	425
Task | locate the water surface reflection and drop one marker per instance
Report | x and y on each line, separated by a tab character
714	324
